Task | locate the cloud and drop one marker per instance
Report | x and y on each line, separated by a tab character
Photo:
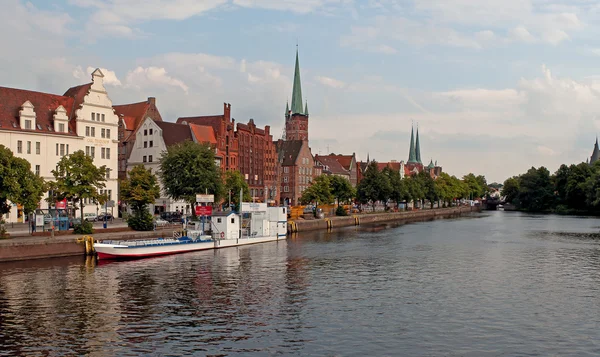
152	77
330	82
544	150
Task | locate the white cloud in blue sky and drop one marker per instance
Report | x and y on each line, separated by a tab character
496	86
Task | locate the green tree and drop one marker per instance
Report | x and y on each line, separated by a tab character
561	177
399	188
341	189
18	184
139	190
477	185
510	190
430	190
189	168
77	178
536	192
318	192
234	182
374	187
449	188
575	188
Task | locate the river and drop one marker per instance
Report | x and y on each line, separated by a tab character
494	284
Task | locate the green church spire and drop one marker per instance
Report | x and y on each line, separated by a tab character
411	153
306	108
418	148
297	89
287	109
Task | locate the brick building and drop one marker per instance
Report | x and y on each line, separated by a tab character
227	148
297	170
258	161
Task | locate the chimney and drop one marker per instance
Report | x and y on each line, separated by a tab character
152	100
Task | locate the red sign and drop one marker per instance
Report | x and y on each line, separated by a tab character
61	204
203	210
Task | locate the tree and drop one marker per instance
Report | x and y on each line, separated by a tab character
430	190
510	190
139	190
234	182
18	184
319	191
374	187
536	192
575	189
477	185
341	189
189	168
399	188
77	178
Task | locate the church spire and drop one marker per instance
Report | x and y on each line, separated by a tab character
287	108
418	148
297	89
411	153
306	108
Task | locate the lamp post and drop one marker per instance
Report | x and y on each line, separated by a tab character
105	210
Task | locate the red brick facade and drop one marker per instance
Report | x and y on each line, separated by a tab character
296	127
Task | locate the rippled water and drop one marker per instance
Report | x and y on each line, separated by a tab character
504	284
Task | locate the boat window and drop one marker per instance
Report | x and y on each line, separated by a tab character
233	220
283	210
218	220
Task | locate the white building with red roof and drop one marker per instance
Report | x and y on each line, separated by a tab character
44	127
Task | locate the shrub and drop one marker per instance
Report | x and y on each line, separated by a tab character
340	211
3	233
141	221
84	228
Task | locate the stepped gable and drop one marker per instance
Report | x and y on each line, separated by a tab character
173	133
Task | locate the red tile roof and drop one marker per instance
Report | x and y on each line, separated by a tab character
174	133
332	163
212	120
204	133
345	160
45	105
132	113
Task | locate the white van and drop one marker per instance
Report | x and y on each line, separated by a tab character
90	217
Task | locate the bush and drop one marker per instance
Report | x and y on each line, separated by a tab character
141	221
340	211
3	233
84	228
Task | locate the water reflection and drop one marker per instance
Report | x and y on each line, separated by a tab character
509	284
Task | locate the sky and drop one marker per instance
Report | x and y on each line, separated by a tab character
495	87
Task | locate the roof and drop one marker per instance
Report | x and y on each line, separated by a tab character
222	213
412	155
132	114
288	151
212	120
297	89
595	153
418	148
173	133
333	165
345	160
203	133
44	105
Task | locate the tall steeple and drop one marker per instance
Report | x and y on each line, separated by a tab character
306	108
411	153
418	148
595	153
297	89
287	109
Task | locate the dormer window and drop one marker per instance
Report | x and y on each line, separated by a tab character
27	116
60	120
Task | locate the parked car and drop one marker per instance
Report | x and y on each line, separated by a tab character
172	217
160	222
74	221
108	216
90	217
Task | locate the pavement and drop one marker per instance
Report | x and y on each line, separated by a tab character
19	229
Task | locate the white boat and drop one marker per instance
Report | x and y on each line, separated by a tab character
256	224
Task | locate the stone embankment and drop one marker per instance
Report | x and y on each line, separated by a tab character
302	225
38	247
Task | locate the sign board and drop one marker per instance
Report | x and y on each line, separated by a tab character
254	207
61	204
203	210
110	203
39	220
205	198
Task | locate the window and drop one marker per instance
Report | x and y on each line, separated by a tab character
232	219
286	188
285	178
62	149
29	147
37	170
19	147
144	159
145	132
286	169
218	220
102	133
108	133
92	152
61	127
151	143
94	116
93	130
87	130
103	117
27	124
37	148
103	153
150	132
150	158
67	149
56	149
145	144
87	150
107	173
108	153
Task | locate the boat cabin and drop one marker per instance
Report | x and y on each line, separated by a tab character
262	221
225	225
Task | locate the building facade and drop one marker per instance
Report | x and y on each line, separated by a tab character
43	127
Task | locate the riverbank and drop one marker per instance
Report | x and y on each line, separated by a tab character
39	247
301	225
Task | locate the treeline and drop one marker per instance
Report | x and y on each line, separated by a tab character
570	190
386	186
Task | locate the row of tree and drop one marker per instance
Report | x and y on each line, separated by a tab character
387	186
571	189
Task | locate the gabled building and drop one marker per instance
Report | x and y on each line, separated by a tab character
297	170
330	165
224	129
44	127
131	117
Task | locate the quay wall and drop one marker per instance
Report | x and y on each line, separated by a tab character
301	225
